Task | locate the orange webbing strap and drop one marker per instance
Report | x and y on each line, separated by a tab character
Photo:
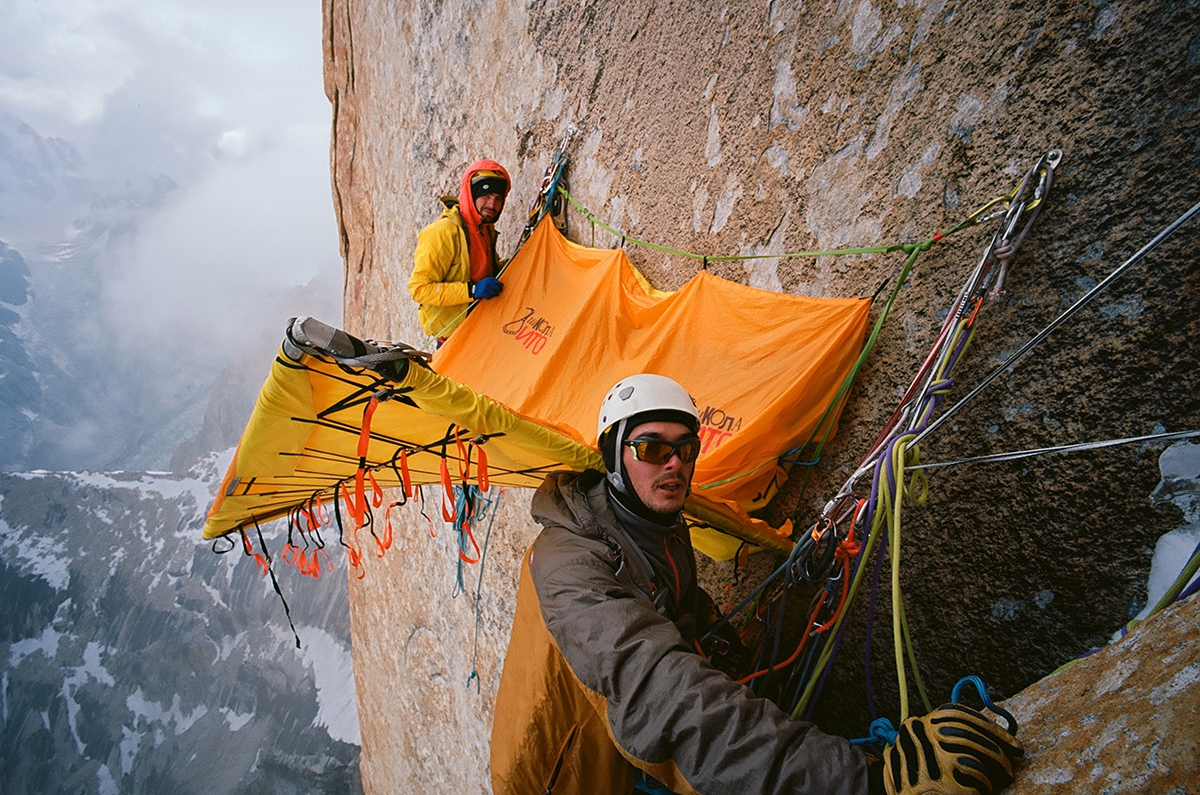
353	551
307	518
295	556
376	501
464	460
376	492
249	549
468	513
315	571
405	476
474	543
359	507
448	512
385	543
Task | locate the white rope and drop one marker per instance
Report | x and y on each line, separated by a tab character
1058	321
1066	448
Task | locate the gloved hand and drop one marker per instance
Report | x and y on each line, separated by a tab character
487	287
953	750
724	649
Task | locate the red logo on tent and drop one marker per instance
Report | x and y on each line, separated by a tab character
715	427
531	332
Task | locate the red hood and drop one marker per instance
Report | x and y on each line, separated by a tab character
481	237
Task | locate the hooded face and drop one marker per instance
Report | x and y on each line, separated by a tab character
482	177
489	206
661	487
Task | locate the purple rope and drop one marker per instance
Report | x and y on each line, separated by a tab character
837	640
812	705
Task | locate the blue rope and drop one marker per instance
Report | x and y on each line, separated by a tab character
883	734
493	505
466	500
981	689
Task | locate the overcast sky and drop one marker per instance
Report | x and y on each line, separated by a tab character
223	98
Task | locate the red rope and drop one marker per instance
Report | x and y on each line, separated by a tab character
448	511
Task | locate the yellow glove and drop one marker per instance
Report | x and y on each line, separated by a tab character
953	750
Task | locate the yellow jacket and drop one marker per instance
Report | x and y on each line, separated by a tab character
441	273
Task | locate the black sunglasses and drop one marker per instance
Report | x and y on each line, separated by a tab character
659	451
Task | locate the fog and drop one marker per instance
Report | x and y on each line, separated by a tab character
164	173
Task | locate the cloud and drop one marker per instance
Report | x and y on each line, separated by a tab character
253	226
223	99
197	192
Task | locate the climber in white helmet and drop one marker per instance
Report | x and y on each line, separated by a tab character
606	688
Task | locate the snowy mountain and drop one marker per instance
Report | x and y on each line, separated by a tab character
66	232
20	393
137	661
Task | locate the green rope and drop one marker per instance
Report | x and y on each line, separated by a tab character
825	424
912	249
839	252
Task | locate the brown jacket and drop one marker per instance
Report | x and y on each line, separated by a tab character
598	684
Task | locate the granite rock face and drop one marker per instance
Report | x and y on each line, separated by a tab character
1121	720
773	127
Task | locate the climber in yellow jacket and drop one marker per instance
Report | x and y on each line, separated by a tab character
455	261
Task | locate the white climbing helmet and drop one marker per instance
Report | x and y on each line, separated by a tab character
639	394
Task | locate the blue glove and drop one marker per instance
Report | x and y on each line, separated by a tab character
487	287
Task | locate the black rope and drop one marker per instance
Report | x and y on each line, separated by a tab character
275	583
